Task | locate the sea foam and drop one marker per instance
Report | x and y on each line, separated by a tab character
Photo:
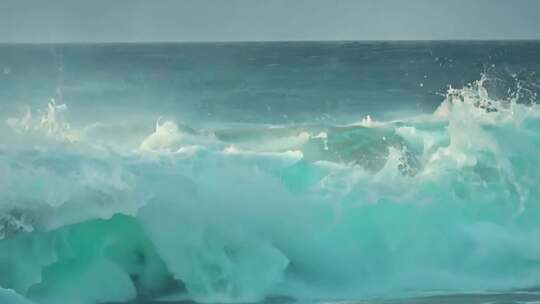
444	202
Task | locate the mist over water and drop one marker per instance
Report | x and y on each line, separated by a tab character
295	172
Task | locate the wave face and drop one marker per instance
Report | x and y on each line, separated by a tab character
100	210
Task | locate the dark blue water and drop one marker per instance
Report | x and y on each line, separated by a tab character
275	83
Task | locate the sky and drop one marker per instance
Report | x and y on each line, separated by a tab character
38	21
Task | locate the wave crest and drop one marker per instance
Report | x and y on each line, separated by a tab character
395	208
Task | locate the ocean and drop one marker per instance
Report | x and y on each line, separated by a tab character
270	172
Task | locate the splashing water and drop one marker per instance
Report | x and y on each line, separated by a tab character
109	207
446	202
51	123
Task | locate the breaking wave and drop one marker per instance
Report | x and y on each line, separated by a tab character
440	203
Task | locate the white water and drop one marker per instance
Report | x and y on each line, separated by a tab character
447	202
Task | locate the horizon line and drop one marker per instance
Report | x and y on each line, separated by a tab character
257	41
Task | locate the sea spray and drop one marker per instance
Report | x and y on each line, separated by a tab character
447	202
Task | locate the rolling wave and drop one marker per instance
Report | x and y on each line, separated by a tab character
435	204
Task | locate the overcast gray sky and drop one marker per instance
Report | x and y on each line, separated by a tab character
249	20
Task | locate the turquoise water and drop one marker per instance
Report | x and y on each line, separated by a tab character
370	172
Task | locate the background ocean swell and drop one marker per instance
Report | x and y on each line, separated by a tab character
94	212
271	83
